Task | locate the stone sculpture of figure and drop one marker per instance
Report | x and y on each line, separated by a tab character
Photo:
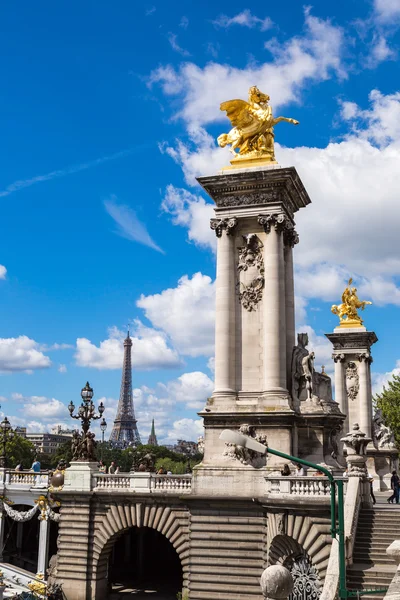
347	311
90	445
253	127
382	433
308	370
299	352
75	445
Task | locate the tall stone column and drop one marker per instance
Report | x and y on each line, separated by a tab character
290	239
340	390
364	395
225	308
44	537
274	330
2	527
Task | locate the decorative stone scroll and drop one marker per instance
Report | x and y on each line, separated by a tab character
365	356
218	225
251	262
278	221
338	358
352	381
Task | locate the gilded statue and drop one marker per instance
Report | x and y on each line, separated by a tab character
348	310
253	128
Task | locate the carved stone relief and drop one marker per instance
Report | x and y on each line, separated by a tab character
251	272
244	455
382	435
352	381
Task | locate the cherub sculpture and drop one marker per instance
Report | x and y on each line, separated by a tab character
253	127
347	311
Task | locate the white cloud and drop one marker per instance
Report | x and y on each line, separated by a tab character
311	57
45	410
21	354
185	429
192	212
3	272
62	368
128	225
173	40
379	380
149	350
387	10
185	313
191	388
245	19
184	22
380	51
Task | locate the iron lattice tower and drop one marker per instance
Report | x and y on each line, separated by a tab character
152	441
125	431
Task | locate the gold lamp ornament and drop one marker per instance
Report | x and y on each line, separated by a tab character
252	136
348	310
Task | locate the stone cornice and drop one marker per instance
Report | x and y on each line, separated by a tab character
352	340
272	187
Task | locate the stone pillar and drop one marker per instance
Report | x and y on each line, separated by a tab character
44	537
364	395
225	337
2	527
355	444
340	390
290	238
274	333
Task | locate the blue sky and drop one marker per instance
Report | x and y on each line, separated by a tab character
107	115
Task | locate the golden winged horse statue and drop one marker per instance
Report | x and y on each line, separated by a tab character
253	128
348	310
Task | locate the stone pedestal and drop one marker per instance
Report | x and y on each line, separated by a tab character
78	477
255	330
352	356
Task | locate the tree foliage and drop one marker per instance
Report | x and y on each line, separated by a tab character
20	450
389	403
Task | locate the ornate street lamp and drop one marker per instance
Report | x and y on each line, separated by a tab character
103	427
83	444
7	434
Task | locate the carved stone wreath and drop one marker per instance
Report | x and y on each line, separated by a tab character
352	381
250	258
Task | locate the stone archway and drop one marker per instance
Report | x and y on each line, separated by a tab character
112	521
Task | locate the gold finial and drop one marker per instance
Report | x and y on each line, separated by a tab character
347	311
253	130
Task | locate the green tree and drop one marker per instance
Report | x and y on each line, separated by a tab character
389	403
20	450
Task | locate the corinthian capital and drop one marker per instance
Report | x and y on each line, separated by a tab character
278	221
365	356
218	225
338	357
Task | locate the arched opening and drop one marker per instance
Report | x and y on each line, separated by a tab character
143	564
20	544
288	552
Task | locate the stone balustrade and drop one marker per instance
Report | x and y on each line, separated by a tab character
298	486
23	479
142	482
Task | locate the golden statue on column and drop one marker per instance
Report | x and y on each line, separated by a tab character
253	129
348	310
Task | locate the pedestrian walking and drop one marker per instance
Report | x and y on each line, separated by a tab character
371	488
395	485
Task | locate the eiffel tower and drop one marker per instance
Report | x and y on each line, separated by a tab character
125	432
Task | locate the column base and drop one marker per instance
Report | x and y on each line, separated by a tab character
277	399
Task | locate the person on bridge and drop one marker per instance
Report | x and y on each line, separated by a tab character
35	466
395	485
285	472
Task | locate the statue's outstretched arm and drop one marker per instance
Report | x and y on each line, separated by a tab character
280	119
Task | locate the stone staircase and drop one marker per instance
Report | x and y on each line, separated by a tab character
372	568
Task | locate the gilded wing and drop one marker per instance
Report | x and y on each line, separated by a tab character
238	112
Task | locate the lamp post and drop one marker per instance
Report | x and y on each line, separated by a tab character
7	434
83	445
103	427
